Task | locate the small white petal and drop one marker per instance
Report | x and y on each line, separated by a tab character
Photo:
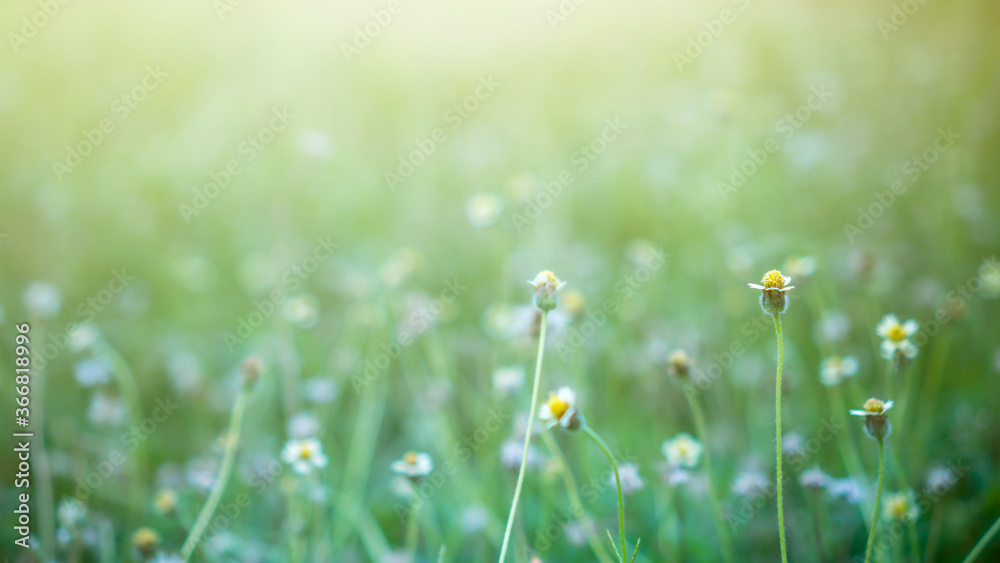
910	327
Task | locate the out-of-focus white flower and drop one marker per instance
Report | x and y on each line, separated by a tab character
316	144
301	311
508	379
83	336
682	451
303	425
414	465
512	451
847	489
72	513
321	390
304	455
483	210
92	371
792	443
814	479
901	506
475	518
631	480
107	410
750	483
800	267
940	479
674	476
832	327
184	371
833	370
43	299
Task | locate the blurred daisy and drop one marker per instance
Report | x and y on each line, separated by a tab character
107	410
901	506
792	443
895	336
508	380
483	210
43	299
750	483
304	455
847	489
833	370
573	302
303	425
301	311
414	465
631	481
145	541
165	501
940	479
512	451
682	451
674	476
773	287
679	363
72	513
832	327
321	390
91	372
814	479
560	410
800	267
82	337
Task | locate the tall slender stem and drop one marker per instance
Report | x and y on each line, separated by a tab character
45	504
621	503
232	441
527	436
983	541
777	439
878	500
412	529
699	423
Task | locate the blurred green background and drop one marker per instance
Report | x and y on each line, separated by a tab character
511	97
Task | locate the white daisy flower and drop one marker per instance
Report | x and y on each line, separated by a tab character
876	420
835	369
682	451
814	479
483	210
894	333
43	299
629	475
561	409
904	349
750	483
414	464
901	506
91	372
873	407
304	455
773	287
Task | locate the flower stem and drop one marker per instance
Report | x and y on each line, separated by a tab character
621	503
777	438
45	504
699	423
232	441
878	499
412	529
527	435
983	541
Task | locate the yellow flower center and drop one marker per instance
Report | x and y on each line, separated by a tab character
874	405
306	452
410	458
896	333
558	406
898	508
773	280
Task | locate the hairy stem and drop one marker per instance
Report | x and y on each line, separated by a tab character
527	436
777	438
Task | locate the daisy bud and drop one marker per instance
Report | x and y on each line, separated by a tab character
876	420
144	542
679	363
773	287
546	285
